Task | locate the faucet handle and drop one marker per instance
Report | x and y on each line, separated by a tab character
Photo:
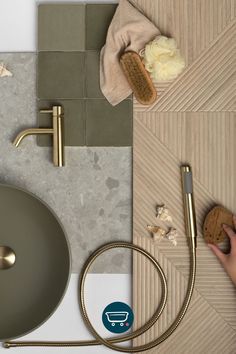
46	111
56	111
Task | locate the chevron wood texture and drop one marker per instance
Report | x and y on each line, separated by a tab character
193	121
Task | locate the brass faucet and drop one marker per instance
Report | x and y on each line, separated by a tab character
56	131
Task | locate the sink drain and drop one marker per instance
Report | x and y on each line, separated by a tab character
7	257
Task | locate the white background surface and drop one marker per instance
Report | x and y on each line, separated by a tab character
67	324
18	23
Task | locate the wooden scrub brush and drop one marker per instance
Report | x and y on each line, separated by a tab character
138	78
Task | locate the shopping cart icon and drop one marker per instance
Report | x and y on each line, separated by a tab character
117	317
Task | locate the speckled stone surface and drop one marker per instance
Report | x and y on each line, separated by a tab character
91	195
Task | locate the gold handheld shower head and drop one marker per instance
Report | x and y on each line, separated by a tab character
188	200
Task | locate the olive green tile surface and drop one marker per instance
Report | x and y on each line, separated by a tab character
74	122
107	125
90	122
61	75
73	27
98	18
68	75
92	80
61	27
92	74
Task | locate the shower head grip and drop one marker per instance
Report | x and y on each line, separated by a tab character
188	182
188	201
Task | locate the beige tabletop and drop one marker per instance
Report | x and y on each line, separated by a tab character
192	121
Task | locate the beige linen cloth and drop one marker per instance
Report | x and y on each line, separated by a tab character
129	30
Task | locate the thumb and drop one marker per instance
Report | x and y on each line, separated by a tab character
219	254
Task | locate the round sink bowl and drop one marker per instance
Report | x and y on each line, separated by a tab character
34	262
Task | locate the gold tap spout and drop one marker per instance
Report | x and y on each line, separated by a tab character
56	131
32	131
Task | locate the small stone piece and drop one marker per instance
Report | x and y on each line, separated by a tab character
163	213
4	72
157	232
172	235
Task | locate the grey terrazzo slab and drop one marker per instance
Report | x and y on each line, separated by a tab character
91	195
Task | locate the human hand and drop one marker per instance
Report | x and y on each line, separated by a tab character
228	260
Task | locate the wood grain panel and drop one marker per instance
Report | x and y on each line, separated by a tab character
193	121
195	24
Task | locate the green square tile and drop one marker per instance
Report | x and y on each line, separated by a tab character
98	19
61	27
61	75
107	125
92	81
93	75
74	122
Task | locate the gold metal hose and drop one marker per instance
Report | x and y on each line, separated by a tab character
112	342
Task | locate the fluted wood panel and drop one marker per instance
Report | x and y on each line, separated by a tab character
197	25
193	121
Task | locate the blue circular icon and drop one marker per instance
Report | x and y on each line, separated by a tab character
118	317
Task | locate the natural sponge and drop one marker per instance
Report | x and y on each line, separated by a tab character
212	228
162	59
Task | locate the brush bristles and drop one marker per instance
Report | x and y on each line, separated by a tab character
138	78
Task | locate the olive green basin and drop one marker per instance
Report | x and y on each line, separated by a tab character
34	262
